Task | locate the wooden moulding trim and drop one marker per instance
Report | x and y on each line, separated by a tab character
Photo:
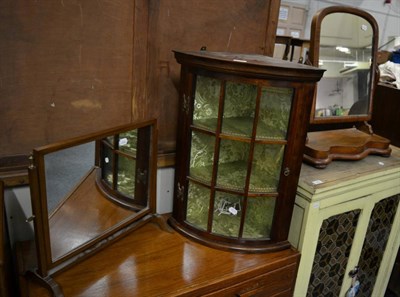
255	65
165	160
14	170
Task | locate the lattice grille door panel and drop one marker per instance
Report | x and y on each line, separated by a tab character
333	249
376	238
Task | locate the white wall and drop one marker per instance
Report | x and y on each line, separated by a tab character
386	15
165	189
18	209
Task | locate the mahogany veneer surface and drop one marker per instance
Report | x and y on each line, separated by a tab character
152	262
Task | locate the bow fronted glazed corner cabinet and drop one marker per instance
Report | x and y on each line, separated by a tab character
242	130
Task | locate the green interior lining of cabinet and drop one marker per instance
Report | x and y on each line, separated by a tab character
232	176
198	206
258	221
224	222
239	108
240	126
232	167
126	176
238	120
131	142
260	211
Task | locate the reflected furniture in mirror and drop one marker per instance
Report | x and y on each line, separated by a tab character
242	129
344	42
87	192
292	48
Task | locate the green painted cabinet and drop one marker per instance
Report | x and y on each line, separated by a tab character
347	216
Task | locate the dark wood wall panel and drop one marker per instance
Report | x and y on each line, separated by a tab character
385	113
231	25
65	69
70	67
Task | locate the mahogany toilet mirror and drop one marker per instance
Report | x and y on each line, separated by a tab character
87	192
344	42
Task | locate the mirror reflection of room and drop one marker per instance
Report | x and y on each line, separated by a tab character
344	41
64	169
345	52
78	211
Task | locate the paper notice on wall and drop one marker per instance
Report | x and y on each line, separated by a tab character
295	34
280	31
283	13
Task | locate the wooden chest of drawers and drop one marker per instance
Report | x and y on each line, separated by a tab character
152	262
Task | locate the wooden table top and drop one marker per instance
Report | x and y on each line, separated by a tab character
152	262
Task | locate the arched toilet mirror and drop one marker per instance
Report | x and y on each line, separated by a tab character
344	42
87	192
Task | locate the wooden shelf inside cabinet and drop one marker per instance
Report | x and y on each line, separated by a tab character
242	127
138	265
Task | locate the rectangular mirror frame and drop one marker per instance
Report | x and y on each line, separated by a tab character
45	264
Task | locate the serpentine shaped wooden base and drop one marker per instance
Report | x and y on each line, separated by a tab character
323	147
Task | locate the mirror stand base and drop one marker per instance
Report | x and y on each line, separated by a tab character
365	127
161	221
47	282
323	147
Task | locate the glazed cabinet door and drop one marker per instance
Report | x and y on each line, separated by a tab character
236	156
237	136
241	137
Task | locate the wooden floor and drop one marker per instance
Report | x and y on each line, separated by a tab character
85	214
151	262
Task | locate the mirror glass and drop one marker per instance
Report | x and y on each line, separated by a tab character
345	51
65	171
94	187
